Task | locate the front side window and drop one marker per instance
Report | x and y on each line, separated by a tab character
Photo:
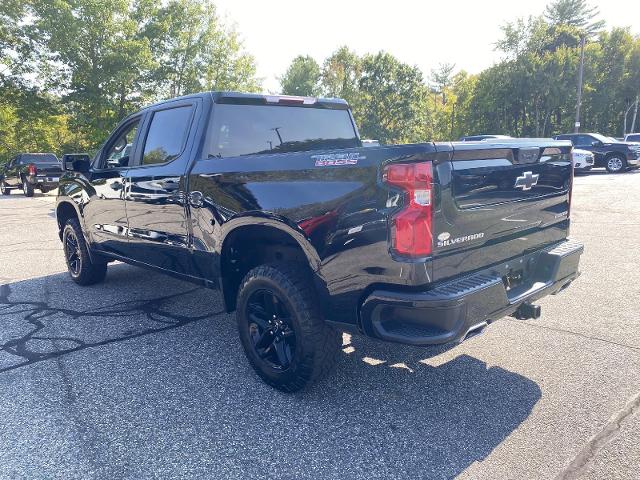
119	151
258	129
583	140
167	135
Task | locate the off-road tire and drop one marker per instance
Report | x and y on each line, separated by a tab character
27	188
88	272
316	343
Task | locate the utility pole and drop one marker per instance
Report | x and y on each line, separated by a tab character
453	116
635	114
583	40
633	105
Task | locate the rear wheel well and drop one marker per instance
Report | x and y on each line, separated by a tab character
64	212
247	247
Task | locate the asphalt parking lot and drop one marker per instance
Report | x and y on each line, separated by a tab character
143	376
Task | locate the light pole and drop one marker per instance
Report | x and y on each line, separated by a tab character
635	113
583	40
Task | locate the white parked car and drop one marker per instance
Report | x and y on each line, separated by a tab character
582	160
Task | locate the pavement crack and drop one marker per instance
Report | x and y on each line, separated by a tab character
587	454
40	317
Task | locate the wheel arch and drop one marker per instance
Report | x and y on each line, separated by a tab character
64	211
251	241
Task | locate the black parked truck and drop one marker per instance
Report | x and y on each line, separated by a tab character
28	171
274	201
614	155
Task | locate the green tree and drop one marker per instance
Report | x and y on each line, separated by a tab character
302	77
194	51
15	43
341	74
576	13
101	60
393	100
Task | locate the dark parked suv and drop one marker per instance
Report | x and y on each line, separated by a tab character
28	171
612	154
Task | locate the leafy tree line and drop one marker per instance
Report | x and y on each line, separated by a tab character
530	92
71	69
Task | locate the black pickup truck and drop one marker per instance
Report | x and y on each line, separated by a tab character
28	171
274	201
614	155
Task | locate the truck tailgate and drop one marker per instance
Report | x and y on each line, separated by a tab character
500	201
49	169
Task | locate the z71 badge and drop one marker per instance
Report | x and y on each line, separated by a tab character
337	159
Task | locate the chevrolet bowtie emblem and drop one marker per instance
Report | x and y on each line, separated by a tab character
527	180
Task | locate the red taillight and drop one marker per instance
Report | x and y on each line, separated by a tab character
32	169
411	227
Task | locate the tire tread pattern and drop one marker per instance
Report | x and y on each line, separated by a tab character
324	342
90	272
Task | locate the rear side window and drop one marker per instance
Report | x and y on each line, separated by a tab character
633	138
255	129
167	135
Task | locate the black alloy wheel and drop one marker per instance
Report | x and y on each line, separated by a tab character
84	268
270	329
72	254
281	327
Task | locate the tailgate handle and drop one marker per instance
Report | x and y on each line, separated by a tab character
527	155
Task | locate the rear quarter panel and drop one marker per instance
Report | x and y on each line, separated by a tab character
331	202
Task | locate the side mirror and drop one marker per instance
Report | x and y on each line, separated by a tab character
76	162
596	143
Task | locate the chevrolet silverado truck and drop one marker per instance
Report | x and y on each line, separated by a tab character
274	201
28	171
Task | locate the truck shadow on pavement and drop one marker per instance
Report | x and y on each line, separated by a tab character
160	384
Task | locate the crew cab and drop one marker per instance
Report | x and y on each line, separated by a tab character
274	201
614	155
28	171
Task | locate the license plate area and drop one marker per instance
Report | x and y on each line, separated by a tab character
513	279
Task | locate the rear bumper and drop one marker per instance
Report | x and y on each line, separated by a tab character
453	310
44	181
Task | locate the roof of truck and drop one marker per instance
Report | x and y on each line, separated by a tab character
262	99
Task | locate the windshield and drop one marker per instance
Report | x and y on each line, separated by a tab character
257	129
